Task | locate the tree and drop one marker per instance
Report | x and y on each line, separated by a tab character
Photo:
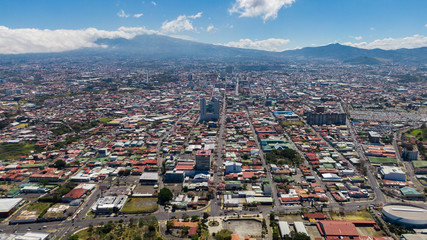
169	225
185	230
206	215
194	218
224	234
299	236
73	237
60	164
44	182
165	195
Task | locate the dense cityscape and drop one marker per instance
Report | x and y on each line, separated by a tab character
182	149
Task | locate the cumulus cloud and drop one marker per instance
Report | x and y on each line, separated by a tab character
425	25
182	23
372	28
32	40
154	3
138	15
415	41
122	14
268	9
271	44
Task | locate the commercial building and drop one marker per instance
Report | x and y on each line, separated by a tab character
374	137
108	204
233	167
203	160
209	111
392	173
174	176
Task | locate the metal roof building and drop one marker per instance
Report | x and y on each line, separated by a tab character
8	205
406	214
284	228
299	227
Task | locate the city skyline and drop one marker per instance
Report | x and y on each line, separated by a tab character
56	26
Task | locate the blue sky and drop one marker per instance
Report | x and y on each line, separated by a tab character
261	24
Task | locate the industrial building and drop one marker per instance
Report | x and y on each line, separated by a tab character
284	229
9	205
149	178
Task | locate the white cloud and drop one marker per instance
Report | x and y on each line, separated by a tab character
425	25
230	26
415	41
254	8
138	15
198	15
210	28
358	38
122	14
31	40
372	28
154	3
182	23
271	44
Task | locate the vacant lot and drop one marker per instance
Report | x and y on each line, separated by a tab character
244	228
354	216
11	151
140	205
292	123
370	231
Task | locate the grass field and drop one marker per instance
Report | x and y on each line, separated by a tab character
353	216
415	132
22	125
419	164
382	160
140	205
12	151
105	120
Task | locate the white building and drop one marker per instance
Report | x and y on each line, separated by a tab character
392	173
232	167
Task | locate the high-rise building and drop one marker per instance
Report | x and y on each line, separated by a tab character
209	111
320	116
203	160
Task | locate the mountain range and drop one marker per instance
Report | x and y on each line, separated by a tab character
158	46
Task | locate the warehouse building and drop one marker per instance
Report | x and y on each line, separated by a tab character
9	205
